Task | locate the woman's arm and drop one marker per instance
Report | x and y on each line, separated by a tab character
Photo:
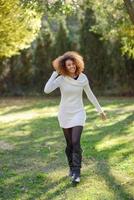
52	82
92	97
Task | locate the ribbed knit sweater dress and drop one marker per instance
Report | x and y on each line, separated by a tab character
71	109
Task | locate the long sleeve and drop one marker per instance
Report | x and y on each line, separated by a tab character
92	97
52	82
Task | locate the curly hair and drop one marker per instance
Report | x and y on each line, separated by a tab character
59	63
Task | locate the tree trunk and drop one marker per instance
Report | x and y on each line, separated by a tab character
130	9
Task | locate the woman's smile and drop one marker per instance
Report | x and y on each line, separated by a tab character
71	67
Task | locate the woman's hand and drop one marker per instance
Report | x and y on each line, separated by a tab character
55	64
103	116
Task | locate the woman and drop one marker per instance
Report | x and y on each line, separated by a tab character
72	116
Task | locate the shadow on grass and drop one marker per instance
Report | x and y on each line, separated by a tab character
33	185
101	158
26	106
37	151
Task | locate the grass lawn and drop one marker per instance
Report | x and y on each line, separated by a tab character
33	165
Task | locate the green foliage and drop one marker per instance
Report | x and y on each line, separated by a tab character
42	56
127	35
21	21
58	7
55	7
93	50
98	31
19	26
111	18
62	42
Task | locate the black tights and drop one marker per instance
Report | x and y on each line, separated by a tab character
73	148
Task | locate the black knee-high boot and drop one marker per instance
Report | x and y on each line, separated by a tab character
77	159
68	151
77	149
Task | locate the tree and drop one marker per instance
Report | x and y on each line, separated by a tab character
92	49
113	22
42	56
21	22
62	41
19	26
130	8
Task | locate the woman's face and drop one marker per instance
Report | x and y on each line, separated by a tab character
70	65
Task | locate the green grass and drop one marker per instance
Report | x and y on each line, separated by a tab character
32	159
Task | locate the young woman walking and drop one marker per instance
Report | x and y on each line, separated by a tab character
72	115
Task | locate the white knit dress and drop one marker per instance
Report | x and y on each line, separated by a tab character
71	109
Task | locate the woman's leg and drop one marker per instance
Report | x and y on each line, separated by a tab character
68	150
77	150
